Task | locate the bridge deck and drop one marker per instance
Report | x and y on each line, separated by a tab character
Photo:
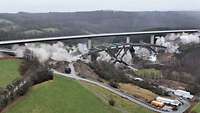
92	36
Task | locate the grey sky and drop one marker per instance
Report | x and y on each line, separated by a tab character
88	5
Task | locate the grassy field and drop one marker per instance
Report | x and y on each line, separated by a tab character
8	71
63	95
60	96
138	92
123	105
196	109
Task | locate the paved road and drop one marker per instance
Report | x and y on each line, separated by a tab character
184	107
126	96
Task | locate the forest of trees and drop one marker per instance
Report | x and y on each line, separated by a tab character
34	25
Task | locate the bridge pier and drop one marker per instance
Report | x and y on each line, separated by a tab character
89	44
152	39
128	40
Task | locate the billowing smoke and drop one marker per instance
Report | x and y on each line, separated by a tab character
168	42
173	41
103	56
142	52
19	50
127	58
83	48
189	38
57	51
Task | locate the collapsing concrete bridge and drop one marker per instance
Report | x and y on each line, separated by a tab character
115	49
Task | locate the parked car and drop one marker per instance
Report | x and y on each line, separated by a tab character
68	70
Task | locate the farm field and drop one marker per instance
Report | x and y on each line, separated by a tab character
138	92
8	71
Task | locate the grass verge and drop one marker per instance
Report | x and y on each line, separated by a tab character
196	108
121	104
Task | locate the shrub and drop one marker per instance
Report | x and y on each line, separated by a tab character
151	87
114	84
109	72
111	101
36	72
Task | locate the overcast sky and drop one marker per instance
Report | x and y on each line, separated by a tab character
89	5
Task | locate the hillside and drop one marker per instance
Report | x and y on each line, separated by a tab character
185	67
67	96
63	95
31	25
60	96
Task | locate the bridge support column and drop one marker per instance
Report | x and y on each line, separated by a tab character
89	44
128	40
152	39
